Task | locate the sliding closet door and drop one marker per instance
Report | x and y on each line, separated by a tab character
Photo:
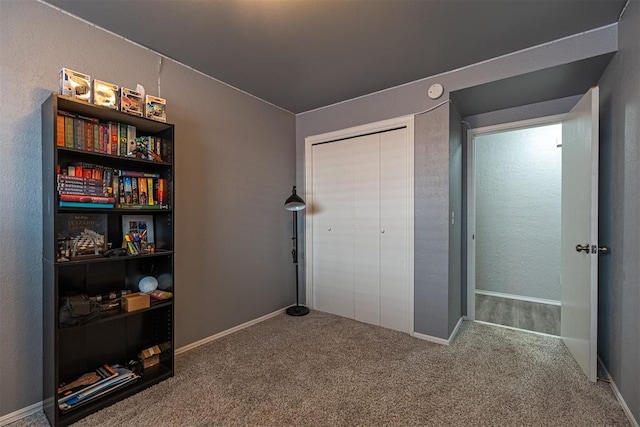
366	228
333	208
394	232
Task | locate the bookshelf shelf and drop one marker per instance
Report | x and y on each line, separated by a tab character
126	258
116	314
84	154
155	375
84	168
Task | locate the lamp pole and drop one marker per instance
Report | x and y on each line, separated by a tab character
295	203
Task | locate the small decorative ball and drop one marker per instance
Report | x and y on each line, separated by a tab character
148	284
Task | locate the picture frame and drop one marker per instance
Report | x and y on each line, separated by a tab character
138	233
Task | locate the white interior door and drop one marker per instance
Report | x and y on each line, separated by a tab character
333	208
366	228
394	238
579	312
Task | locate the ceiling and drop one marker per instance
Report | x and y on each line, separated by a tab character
305	54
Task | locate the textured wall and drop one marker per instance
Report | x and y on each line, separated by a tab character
412	98
518	177
431	236
455	229
619	294
232	235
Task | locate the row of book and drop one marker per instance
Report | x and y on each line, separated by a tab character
92	385
118	139
100	187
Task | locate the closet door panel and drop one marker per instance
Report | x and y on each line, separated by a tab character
394	237
366	195
333	243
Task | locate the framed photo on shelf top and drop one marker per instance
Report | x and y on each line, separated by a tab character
140	227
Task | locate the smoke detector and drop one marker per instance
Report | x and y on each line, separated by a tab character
435	91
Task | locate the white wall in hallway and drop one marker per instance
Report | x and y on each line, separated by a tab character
518	182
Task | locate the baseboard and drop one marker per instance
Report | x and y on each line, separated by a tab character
20	413
229	331
518	297
618	396
516	329
29	410
437	340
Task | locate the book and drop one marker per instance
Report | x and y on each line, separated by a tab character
128	195
150	191
89	133
60	130
68	130
78	133
86	198
100	192
134	191
162	183
122	139
64	204
131	141
142	191
113	138
119	378
140	174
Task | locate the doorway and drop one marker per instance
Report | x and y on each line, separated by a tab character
516	198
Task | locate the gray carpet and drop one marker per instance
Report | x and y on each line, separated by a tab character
330	371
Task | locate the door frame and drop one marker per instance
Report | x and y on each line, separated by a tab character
352	132
471	193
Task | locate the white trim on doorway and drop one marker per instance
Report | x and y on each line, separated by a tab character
471	194
381	126
518	297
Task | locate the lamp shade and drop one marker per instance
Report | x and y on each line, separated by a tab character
294	202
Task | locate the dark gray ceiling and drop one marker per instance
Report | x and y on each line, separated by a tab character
305	54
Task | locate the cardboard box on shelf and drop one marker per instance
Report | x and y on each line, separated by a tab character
134	302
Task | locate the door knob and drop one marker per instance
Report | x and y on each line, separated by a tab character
603	249
586	248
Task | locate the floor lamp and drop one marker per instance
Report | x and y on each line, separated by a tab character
294	204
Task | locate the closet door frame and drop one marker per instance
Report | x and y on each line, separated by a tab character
310	141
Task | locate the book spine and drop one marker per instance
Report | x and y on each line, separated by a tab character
137	174
68	132
83	191
88	135
128	195
78	130
161	191
150	189
122	139
113	139
60	130
131	140
142	191
80	180
134	191
86	198
64	204
97	143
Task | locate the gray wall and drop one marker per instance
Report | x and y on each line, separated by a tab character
518	177
412	98
619	294
431	236
455	229
235	166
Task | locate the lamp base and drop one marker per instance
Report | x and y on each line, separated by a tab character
298	310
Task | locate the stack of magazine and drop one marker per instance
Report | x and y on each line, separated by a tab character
94	384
